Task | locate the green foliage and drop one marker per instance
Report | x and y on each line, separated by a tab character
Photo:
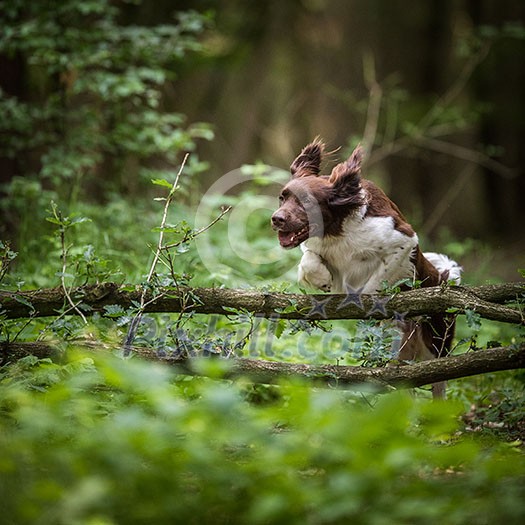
250	253
489	34
373	342
105	440
97	110
473	320
6	257
110	441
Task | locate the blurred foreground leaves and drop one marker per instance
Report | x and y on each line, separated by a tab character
105	440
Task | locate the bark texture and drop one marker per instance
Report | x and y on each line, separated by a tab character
490	302
393	376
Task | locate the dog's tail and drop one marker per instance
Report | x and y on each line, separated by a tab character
448	269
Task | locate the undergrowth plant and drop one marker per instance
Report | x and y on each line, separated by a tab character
101	440
95	123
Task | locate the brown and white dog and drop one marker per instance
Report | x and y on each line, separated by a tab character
354	238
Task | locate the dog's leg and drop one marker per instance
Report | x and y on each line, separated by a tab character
313	272
439	390
391	269
415	346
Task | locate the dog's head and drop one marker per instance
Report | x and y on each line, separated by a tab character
314	205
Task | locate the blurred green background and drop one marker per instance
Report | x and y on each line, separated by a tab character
97	97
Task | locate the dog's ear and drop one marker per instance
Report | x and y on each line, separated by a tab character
346	181
309	161
350	167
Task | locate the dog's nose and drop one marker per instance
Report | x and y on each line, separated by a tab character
278	219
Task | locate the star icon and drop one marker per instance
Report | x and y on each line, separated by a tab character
319	307
379	306
352	297
400	316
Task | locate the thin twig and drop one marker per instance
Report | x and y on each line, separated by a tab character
426	135
164	218
460	152
63	275
17	335
407	339
192	235
74	308
456	88
135	322
447	200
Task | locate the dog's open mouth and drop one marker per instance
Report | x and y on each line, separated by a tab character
292	239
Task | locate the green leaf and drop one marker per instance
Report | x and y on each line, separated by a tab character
24	301
473	319
114	310
166	229
162	182
79	220
280	328
232	310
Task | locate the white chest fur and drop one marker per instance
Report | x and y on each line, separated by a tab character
369	251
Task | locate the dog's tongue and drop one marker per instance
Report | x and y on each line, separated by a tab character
286	239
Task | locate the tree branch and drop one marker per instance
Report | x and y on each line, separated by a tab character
488	301
393	376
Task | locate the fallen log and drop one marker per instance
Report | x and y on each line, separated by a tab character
488	301
270	372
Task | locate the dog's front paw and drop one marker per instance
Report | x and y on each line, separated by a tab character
313	273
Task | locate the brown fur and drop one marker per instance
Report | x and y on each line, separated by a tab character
379	205
315	205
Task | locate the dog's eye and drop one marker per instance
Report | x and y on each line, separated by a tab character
281	199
